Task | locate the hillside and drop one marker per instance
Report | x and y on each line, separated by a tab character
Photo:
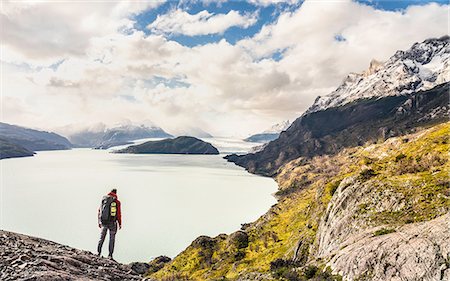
18	141
179	145
10	150
374	212
355	123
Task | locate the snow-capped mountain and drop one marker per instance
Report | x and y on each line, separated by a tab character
421	67
103	137
270	134
278	128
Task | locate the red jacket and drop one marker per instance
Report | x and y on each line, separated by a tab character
119	211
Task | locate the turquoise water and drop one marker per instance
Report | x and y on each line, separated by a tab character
167	200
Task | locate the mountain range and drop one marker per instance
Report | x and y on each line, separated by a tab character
103	138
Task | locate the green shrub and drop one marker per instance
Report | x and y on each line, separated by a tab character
400	157
367	174
383	231
310	271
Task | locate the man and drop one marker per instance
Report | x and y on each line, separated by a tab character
109	217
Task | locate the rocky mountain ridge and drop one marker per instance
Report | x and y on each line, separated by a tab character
353	124
422	67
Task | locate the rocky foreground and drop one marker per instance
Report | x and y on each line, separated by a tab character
28	258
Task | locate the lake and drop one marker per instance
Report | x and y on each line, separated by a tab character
167	200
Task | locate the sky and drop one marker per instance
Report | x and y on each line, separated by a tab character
231	68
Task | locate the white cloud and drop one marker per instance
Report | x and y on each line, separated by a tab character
266	3
223	88
203	23
35	31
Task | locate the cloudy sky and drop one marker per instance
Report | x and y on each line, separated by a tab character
231	68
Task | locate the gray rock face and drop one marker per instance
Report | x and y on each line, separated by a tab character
348	241
28	258
419	251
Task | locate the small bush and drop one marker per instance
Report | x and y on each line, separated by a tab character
291	275
383	231
279	263
400	157
367	174
239	255
334	187
310	271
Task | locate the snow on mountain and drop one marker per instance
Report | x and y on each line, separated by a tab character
278	128
103	137
270	134
421	67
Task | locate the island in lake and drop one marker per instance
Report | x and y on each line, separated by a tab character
179	145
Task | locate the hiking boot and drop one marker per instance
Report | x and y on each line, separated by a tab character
111	258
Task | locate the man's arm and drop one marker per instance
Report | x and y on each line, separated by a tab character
119	214
99	219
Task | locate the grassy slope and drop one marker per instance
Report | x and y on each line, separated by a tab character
415	166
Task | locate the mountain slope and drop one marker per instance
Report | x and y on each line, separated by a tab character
378	212
422	67
10	150
352	124
32	140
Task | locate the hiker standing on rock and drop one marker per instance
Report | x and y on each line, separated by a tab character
109	218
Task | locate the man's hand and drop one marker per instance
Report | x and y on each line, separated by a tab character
120	226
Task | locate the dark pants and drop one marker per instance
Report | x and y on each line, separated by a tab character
112	237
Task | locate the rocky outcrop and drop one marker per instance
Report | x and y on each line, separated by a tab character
28	258
180	145
368	231
418	251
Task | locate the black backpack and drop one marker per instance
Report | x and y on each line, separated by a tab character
108	209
